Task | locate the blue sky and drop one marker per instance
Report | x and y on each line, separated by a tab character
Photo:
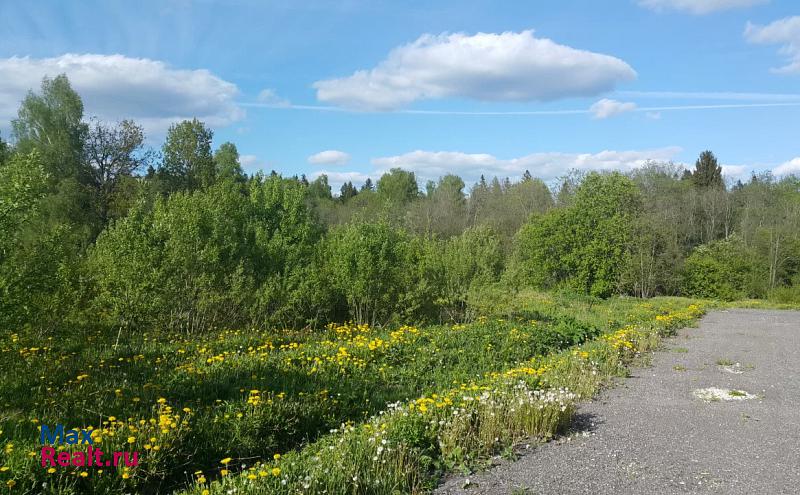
469	87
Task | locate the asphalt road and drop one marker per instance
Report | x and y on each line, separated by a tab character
653	434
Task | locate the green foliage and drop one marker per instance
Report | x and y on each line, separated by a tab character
722	270
459	269
707	172
188	163
214	257
51	122
584	245
4	151
397	187
226	163
370	266
114	154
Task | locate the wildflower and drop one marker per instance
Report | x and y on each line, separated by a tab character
225	461
276	471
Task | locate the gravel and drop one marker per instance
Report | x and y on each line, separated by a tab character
654	433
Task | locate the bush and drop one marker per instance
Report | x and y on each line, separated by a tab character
213	257
460	269
583	246
722	270
785	295
371	268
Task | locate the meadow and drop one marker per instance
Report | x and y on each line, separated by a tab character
257	333
349	409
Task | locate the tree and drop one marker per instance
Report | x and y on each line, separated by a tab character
4	151
369	267
214	256
368	185
722	270
52	123
187	160
114	154
347	191
584	245
442	210
226	163
457	269
319	188
707	172
398	187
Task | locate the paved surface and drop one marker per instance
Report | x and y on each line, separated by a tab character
652	435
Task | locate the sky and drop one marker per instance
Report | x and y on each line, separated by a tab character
352	88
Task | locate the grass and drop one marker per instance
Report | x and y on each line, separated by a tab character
724	362
351	409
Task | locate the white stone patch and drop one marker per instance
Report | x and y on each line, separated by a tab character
735	368
721	394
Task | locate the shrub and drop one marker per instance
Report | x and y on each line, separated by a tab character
208	258
582	246
722	270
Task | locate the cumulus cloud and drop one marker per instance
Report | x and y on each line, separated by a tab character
114	87
329	157
486	66
788	168
735	171
269	97
698	7
606	108
784	32
547	166
248	160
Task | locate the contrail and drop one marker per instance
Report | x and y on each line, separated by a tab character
324	108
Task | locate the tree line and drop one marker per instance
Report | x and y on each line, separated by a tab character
97	229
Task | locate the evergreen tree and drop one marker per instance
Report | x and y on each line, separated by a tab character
347	191
707	172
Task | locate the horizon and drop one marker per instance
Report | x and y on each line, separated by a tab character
438	90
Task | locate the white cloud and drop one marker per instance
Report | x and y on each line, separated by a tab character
248	160
486	66
698	7
269	97
788	168
606	108
735	171
114	87
329	157
547	166
784	32
653	115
